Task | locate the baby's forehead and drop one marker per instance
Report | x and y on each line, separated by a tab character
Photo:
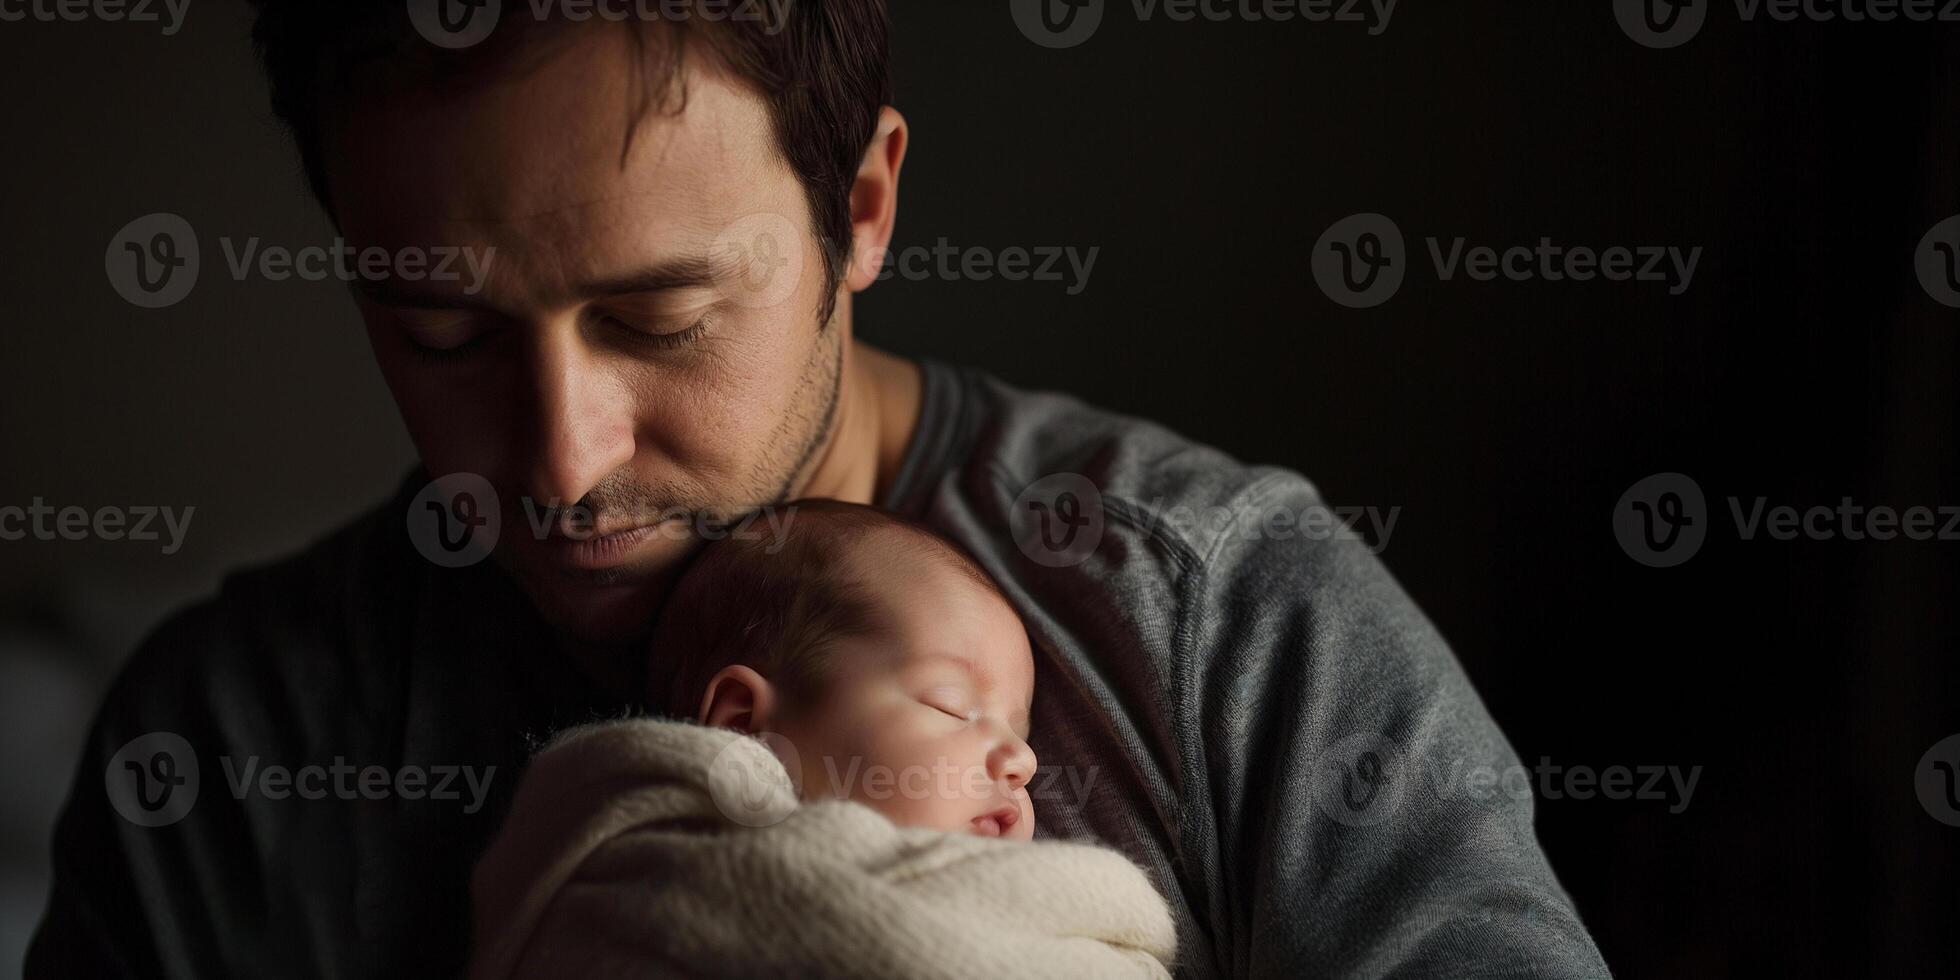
935	607
931	599
909	562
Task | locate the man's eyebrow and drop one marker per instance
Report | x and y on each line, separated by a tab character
680	273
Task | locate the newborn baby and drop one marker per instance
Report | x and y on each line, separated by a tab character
883	664
839	789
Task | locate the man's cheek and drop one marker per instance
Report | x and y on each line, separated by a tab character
719	431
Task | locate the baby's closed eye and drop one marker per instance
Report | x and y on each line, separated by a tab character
951	701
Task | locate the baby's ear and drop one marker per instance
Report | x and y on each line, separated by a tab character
739	698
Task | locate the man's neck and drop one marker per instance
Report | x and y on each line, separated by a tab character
878	406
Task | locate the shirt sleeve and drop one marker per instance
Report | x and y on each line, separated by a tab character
1369	818
149	851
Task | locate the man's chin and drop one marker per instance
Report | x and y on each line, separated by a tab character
618	613
604	606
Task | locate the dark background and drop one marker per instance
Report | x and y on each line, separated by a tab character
1505	419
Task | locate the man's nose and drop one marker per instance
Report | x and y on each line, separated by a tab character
581	418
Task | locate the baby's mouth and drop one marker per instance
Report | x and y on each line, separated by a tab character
996	823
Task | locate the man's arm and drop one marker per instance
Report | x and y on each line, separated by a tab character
1337	766
130	900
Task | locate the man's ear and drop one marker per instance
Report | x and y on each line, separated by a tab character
737	697
874	199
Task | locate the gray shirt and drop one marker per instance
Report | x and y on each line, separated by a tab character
1228	688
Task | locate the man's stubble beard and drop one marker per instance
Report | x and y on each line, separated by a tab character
794	447
822	381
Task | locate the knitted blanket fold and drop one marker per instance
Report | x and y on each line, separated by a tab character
656	848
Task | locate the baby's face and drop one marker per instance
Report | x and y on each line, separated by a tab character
927	723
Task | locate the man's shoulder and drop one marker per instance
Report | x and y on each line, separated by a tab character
1144	474
276	629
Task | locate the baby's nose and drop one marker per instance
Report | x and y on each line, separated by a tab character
1013	763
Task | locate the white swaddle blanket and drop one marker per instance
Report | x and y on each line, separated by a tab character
650	848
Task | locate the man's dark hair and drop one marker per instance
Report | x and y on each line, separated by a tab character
822	66
742	601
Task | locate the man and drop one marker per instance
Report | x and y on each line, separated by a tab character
674	215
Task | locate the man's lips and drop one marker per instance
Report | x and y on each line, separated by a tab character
585	550
996	823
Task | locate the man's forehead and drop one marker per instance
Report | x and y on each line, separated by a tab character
546	158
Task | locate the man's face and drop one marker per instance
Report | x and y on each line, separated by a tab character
645	340
927	720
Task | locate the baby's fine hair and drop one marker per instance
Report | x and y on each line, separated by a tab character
743	601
